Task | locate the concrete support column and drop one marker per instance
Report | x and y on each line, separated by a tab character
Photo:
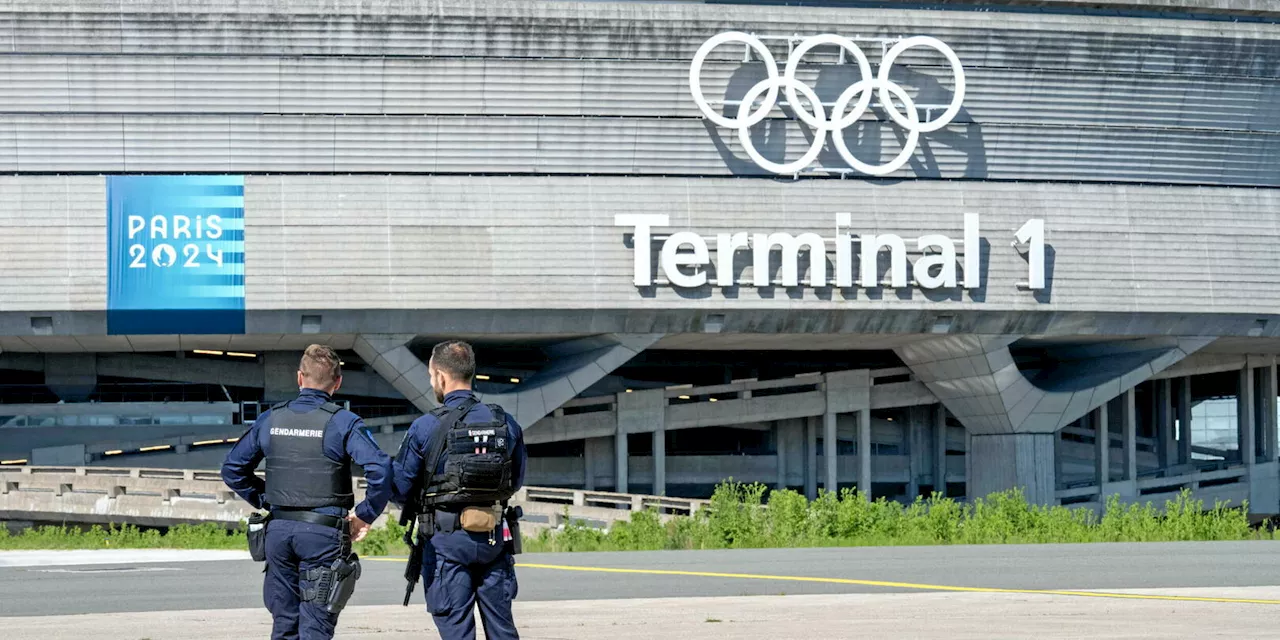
660	462
72	376
1244	417
1183	413
595	453
1002	461
1102	436
1130	422
811	459
620	462
641	412
830	450
1269	419
280	375
1166	446
780	438
864	452
940	449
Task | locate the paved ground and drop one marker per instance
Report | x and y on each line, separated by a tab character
879	592
956	616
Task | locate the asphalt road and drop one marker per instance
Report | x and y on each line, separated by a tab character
41	591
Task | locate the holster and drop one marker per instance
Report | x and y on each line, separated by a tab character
256	533
334	584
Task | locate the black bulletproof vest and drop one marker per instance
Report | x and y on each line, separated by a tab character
299	475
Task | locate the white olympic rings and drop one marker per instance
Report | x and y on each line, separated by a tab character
817	119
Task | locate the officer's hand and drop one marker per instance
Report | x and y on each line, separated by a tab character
359	528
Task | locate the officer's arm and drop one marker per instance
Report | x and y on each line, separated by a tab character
519	457
377	470
237	470
407	466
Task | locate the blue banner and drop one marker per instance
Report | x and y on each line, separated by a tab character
175	254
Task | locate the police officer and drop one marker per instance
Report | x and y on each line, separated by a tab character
466	561
309	444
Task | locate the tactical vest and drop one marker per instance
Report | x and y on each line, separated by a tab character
299	475
477	459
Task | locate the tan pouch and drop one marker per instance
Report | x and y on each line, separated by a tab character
478	520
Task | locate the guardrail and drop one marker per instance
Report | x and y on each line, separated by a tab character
161	497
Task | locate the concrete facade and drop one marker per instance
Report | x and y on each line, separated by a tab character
468	169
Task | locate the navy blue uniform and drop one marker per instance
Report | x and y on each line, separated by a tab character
292	546
460	568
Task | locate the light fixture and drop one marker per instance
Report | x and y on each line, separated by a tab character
684	397
159	447
207	352
238	354
341	363
515	381
205	442
22	461
889	419
113	452
481	376
713	400
628	390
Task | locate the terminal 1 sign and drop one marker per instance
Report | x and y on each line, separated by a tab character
684	254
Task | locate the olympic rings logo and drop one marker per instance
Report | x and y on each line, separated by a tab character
818	119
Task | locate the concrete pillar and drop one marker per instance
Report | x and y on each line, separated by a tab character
830	450
780	438
940	449
595	454
1183	413
71	376
811	459
639	412
1130	422
1165	445
1272	439
620	462
1003	461
864	452
1244	418
280	375
1102	435
660	462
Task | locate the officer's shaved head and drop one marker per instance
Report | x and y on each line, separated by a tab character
320	369
454	359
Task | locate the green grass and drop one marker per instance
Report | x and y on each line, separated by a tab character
740	516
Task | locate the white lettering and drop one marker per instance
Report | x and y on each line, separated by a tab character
181	227
159	227
215	227
642	224
297	433
871	245
1033	233
136	225
946	261
763	246
726	251
673	259
972	252
482	432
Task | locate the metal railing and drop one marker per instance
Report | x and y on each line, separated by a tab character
161	496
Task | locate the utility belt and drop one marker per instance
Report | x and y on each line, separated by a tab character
499	521
335	583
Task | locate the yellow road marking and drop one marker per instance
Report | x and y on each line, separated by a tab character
882	583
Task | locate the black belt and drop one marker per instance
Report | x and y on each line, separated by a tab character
312	517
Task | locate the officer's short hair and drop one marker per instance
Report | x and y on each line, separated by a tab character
455	358
320	366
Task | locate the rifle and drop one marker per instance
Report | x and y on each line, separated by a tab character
416	540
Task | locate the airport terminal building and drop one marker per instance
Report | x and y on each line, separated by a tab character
893	247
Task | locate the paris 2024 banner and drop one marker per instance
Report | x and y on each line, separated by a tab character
175	254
